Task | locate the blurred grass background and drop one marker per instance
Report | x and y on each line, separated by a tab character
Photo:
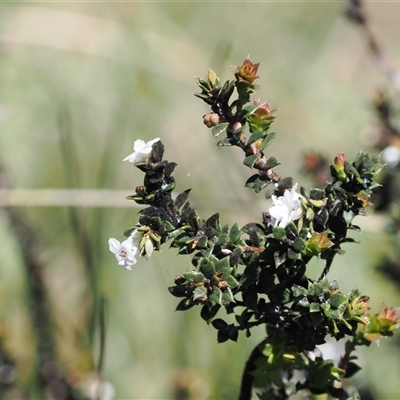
79	83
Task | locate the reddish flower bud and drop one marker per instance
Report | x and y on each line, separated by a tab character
338	167
247	72
339	161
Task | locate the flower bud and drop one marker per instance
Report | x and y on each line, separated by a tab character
211	119
247	72
381	324
212	77
338	168
264	112
318	243
388	318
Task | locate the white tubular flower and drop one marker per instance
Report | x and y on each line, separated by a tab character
141	151
286	208
124	252
148	246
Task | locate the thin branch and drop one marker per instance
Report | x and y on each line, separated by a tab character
356	13
246	385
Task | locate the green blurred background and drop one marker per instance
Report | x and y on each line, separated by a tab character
79	82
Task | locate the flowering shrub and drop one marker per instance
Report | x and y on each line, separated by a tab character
259	272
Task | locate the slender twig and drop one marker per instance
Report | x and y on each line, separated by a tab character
80	232
48	375
356	13
246	385
103	333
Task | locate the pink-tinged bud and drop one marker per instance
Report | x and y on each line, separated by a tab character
382	324
264	112
247	72
339	161
337	168
211	119
236	126
388	318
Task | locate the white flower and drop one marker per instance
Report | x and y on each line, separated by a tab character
124	252
286	208
141	151
391	156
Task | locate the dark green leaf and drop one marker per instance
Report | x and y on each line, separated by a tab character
199	293
223	266
268	140
293	255
220	128
176	291
279	233
232	282
194	277
299	244
351	370
234	234
272	162
250	160
208	313
227	296
181	198
223	238
184	305
224	142
219	323
207	267
256	136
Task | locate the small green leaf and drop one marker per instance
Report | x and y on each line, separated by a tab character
181	198
293	255
223	239
199	293
224	142
184	305
176	291
279	233
194	277
268	140
338	299
255	136
250	160
223	266
207	267
299	291
272	162
232	282
235	233
314	307
249	110
208	313
317	194
218	129
216	296
299	244
227	296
